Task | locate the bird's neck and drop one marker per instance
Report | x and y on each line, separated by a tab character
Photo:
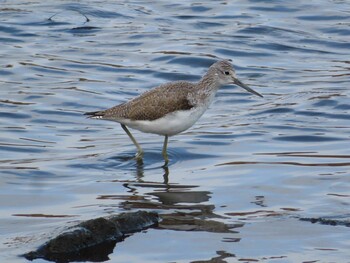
205	90
209	83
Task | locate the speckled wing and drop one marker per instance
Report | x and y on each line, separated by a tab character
152	104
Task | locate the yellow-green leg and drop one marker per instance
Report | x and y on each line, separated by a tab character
164	152
139	154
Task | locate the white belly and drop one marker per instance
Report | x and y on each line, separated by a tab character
170	124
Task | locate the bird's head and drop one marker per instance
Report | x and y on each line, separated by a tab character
225	74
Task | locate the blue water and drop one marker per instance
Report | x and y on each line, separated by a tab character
253	164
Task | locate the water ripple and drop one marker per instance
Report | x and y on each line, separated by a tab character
268	160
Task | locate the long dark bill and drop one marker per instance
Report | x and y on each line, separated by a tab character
244	86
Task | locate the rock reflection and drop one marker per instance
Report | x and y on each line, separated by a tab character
222	255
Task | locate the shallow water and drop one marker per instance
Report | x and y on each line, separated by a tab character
256	165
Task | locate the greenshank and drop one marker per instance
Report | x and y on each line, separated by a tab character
173	107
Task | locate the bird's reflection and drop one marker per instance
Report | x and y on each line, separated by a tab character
191	212
140	167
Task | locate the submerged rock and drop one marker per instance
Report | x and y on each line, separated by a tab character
343	220
93	239
188	222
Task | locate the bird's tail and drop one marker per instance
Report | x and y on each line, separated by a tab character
95	114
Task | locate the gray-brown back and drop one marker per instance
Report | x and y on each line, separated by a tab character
153	104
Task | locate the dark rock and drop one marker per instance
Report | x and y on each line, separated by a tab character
133	222
94	239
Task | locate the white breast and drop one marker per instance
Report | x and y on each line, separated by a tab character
171	124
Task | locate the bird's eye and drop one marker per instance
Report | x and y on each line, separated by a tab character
227	73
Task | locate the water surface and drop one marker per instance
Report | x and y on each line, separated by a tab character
237	182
